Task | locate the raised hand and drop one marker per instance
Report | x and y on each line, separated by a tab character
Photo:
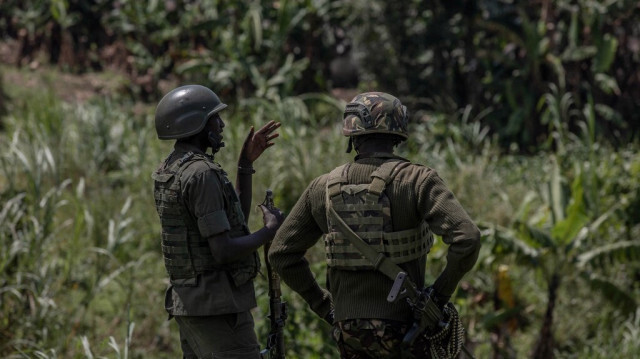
258	141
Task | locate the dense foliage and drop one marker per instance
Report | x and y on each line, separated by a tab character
528	110
82	274
498	56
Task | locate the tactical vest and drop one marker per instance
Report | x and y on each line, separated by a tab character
186	253
367	210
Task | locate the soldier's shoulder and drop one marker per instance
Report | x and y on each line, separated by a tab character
198	164
419	167
320	181
414	172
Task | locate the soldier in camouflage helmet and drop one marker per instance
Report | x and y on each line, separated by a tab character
394	206
209	253
375	112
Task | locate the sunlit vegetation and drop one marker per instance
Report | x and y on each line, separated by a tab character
528	110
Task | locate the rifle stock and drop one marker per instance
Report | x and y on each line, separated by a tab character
277	308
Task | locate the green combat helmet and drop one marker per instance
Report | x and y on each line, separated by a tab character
184	111
375	112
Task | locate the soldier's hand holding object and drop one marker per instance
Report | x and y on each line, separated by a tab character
272	218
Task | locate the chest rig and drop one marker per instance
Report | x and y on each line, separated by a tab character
186	253
366	209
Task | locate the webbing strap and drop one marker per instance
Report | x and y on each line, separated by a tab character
184	262
337	177
354	207
379	177
350	262
399	250
384	174
378	260
197	250
168	210
165	197
364	220
173	222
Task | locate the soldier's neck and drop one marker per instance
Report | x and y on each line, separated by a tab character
375	145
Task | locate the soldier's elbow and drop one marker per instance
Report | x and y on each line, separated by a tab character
220	251
470	238
475	236
272	257
219	258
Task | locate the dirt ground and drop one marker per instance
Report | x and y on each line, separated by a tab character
70	87
77	88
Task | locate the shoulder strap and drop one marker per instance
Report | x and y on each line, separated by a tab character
382	176
336	179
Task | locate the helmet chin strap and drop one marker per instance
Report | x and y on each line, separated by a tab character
350	146
215	142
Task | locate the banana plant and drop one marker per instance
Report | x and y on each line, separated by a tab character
560	240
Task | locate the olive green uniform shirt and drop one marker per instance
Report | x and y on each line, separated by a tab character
416	193
214	292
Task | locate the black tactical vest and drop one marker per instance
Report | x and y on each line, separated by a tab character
186	254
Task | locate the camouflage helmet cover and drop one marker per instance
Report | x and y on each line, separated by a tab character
375	112
184	111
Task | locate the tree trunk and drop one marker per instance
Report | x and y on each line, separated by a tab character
545	344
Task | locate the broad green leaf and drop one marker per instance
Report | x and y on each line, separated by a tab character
607	83
606	54
573	30
617	252
558	68
536	237
556	194
564	231
499	317
508	239
621	297
584	232
578	53
609	114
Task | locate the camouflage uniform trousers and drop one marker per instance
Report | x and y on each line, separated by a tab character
376	338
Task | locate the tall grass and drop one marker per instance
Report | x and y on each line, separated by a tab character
80	266
76	253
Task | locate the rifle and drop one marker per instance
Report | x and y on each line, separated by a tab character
277	308
426	312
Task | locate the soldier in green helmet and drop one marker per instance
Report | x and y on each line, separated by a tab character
378	215
209	253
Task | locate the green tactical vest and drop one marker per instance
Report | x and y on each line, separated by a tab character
367	210
186	254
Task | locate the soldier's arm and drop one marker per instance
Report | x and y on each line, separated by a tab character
252	148
244	186
226	249
204	197
448	219
298	233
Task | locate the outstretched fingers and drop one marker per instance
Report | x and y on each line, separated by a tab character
258	141
266	133
269	127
